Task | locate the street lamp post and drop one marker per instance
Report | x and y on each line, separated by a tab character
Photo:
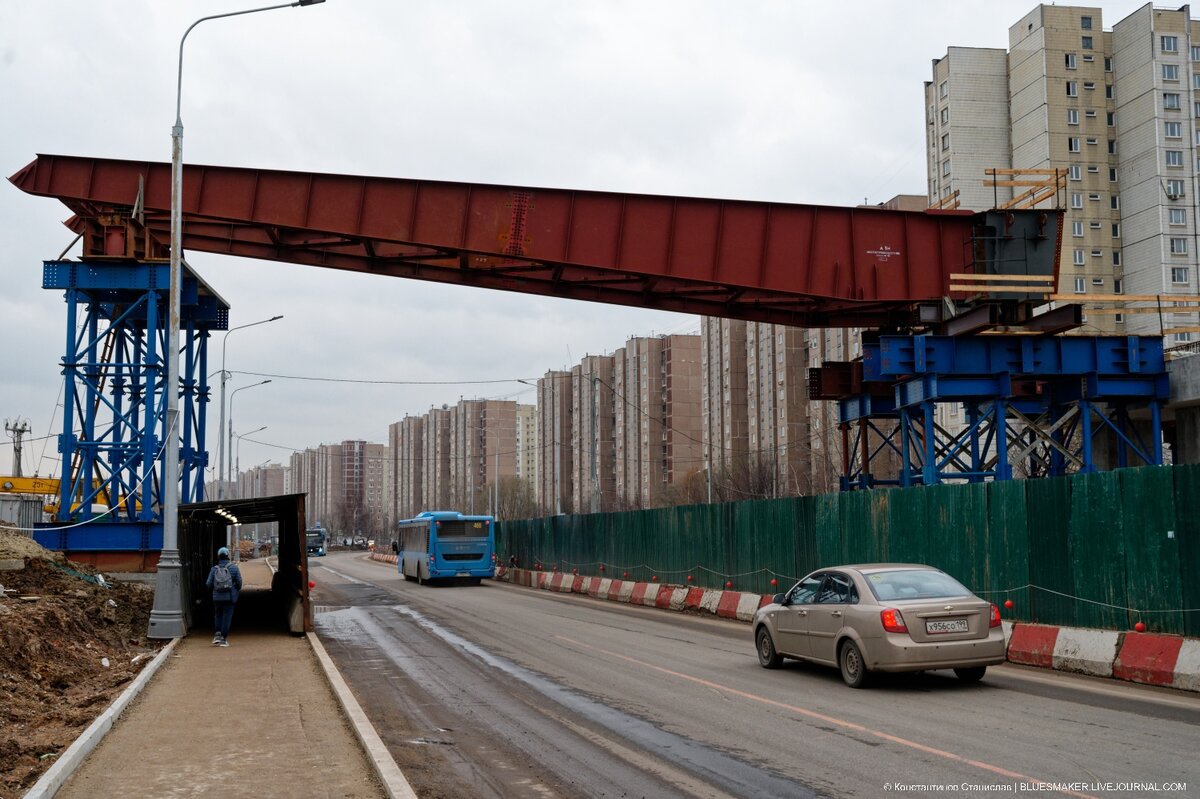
229	452
167	618
238	459
221	453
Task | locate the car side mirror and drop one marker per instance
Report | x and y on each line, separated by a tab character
779	599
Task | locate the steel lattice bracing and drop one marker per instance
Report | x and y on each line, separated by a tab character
1033	406
113	429
803	265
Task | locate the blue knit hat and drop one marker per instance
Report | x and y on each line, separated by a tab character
223	552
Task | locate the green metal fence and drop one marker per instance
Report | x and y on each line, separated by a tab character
1101	550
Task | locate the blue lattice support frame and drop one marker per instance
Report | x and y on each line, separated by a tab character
1033	402
114	400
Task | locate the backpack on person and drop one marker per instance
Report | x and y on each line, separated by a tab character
222	579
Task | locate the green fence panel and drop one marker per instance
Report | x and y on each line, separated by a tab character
957	523
804	542
828	542
1006	558
1187	530
909	528
857	539
1048	521
1151	553
1098	551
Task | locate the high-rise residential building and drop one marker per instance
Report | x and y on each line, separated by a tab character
435	460
593	475
527	455
682	448
1114	111
723	409
406	440
555	468
778	407
483	447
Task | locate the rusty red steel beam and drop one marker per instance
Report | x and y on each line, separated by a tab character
793	264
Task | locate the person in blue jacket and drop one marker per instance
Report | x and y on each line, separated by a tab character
225	580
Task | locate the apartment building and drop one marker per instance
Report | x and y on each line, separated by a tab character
435	460
592	423
723	402
553	478
1114	110
778	408
527	454
483	449
406	440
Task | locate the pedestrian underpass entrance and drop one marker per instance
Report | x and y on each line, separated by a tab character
204	527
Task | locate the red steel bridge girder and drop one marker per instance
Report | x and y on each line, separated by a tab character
792	264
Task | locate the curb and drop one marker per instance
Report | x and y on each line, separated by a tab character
1165	660
77	752
393	779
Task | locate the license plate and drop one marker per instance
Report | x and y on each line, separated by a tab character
468	574
946	626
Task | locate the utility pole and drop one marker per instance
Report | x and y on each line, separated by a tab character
16	431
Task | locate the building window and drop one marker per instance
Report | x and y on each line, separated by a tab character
1112	174
1182	338
1111	119
1196	109
1108	91
1080	285
1073	172
1170	71
1076	200
1118	285
1088	86
1077	229
1174	157
1178	247
1108	62
1097	281
1117	262
1174	189
946	167
1114	202
1176	216
1112	146
1070	61
1170	44
1171	101
1094	225
1116	230
1086	43
1119	318
1077	257
1093	197
1088	59
1072	116
1179	274
1173	130
1072	89
944	89
945	141
1085	23
945	115
1097	253
1072	144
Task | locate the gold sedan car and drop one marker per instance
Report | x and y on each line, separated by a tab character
881	617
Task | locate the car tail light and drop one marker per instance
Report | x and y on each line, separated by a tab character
994	621
893	621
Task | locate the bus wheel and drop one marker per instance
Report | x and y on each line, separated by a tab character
404	571
419	580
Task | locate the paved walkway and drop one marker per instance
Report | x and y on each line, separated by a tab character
256	719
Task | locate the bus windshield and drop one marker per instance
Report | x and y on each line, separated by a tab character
466	528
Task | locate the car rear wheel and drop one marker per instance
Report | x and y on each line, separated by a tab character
768	658
972	674
854	670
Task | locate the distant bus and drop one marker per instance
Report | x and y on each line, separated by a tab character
446	544
314	540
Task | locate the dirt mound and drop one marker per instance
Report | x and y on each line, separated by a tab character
70	642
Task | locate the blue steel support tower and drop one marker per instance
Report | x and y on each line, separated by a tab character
114	401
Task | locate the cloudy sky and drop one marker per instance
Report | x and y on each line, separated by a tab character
746	99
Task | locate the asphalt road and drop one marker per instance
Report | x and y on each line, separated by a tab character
510	692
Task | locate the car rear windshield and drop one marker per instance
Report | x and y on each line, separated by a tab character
914	584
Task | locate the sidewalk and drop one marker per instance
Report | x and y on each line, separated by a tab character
259	718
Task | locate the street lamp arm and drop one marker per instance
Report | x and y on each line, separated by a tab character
179	73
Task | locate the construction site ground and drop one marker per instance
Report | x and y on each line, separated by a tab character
69	644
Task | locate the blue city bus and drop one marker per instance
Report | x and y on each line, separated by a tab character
442	545
314	540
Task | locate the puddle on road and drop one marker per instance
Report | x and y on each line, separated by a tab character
717	768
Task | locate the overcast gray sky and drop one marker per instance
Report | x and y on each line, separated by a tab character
781	101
